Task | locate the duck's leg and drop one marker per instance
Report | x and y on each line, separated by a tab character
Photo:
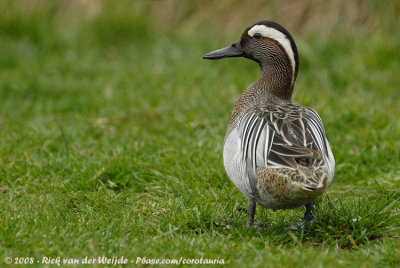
251	207
308	216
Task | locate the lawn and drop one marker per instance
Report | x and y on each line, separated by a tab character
112	130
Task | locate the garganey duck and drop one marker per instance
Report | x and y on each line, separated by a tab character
275	150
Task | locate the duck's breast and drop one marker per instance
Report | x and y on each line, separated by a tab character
233	162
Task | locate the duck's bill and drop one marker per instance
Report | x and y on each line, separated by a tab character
227	52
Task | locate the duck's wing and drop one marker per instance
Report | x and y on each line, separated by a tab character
283	136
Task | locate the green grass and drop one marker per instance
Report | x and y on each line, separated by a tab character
111	144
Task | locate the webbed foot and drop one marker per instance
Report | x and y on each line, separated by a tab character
308	218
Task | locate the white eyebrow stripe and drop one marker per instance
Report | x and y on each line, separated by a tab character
278	36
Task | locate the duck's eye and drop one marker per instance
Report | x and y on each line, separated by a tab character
257	35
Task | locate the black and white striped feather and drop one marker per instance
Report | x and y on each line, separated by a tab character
283	136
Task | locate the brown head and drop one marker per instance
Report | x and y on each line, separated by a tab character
273	48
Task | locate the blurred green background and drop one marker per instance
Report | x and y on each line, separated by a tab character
112	127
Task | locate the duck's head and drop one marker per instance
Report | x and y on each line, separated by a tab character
267	43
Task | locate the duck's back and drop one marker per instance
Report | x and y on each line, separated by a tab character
276	151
